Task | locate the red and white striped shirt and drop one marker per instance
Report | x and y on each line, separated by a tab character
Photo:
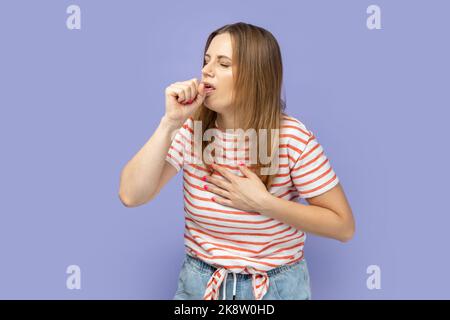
244	242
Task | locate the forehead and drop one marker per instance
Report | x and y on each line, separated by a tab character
221	45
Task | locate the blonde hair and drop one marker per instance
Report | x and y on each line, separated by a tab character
257	77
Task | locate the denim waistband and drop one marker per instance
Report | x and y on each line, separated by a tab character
204	267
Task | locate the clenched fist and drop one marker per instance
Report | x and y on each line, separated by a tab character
182	99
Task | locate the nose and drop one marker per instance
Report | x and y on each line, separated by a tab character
206	70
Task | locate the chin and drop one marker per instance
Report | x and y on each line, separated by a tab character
215	107
212	108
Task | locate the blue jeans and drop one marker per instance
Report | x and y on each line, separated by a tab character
287	282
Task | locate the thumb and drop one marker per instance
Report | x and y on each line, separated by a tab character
201	94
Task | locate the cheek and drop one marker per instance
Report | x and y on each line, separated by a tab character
228	84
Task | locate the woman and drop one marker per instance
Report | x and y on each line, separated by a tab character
241	213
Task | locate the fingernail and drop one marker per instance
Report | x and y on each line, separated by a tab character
204	178
213	199
241	163
205	187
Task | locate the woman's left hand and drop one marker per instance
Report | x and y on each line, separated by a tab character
245	193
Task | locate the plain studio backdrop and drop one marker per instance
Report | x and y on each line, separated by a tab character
77	104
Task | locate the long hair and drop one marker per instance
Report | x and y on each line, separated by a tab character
257	77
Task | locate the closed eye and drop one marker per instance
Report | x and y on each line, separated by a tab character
223	65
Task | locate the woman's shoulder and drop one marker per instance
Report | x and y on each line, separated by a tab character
293	128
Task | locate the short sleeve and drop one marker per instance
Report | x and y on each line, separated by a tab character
312	173
177	149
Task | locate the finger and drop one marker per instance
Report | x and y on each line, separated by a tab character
201	91
188	90
218	191
246	171
173	90
200	97
219	182
222	201
194	88
224	172
180	93
185	89
185	86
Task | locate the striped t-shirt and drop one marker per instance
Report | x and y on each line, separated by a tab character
244	242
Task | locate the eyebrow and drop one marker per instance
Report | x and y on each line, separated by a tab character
219	56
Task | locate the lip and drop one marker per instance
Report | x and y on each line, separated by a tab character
210	90
209	84
209	94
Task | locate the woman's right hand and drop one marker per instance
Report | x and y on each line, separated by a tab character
182	99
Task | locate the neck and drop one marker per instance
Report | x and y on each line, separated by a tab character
225	121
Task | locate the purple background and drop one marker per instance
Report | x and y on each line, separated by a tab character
76	105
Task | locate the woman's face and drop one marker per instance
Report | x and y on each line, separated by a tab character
218	72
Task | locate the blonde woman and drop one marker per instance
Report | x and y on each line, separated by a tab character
245	229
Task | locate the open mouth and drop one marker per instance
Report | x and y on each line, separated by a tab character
209	88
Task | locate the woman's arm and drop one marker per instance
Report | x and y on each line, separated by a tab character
140	178
328	214
146	173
